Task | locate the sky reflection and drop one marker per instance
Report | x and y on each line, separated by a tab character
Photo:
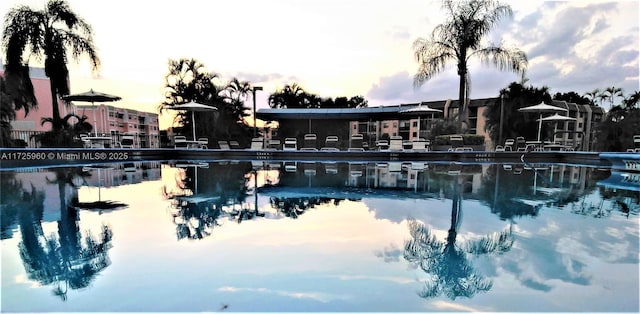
341	255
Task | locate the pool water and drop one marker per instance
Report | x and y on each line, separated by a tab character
311	236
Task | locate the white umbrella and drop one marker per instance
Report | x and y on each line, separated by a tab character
557	118
542	108
193	107
419	111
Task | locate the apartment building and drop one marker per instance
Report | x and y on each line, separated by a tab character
107	120
115	121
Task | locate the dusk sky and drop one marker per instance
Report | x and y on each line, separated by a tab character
345	47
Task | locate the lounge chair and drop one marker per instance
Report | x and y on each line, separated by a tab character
636	143
257	143
456	142
234	145
290	166
310	141
330	167
86	143
127	141
290	143
500	148
179	141
419	145
203	142
382	145
509	144
355	144
521	144
224	145
330	143
407	145
395	144
274	144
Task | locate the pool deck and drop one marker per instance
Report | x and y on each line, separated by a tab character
56	157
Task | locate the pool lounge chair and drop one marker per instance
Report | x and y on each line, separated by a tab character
290	143
127	141
509	144
203	142
355	144
330	143
179	141
395	144
310	141
456	142
257	143
419	145
521	144
382	145
234	145
224	145
636	143
274	144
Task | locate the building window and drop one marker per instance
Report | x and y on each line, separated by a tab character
385	125
414	124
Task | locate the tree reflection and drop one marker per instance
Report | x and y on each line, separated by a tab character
447	262
199	205
67	259
293	207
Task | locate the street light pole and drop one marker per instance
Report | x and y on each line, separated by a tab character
255	128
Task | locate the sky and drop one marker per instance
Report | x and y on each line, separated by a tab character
336	48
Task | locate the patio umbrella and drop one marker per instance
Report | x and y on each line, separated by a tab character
193	107
419	111
540	109
100	206
92	97
557	118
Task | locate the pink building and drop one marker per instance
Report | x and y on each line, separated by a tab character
114	121
108	119
42	91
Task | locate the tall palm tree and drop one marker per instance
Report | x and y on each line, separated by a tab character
612	92
55	33
593	95
238	90
291	96
459	39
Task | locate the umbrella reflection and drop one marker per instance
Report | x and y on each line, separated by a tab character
99	206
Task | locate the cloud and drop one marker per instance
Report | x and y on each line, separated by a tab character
391	253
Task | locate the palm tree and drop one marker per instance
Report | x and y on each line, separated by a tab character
291	96
632	100
238	90
612	92
55	33
16	92
459	39
593	95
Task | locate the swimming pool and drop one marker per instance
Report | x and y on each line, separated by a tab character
320	236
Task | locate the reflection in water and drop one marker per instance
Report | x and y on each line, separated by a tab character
446	262
339	213
66	259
